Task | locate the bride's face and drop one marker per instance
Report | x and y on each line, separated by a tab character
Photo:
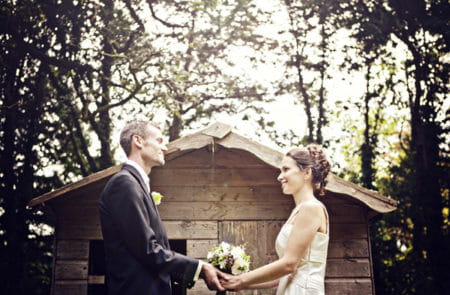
292	179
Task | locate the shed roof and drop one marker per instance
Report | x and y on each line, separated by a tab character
219	134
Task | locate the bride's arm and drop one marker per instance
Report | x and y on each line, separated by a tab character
265	285
306	224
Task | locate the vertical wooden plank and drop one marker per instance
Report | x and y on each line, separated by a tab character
259	238
372	277
53	282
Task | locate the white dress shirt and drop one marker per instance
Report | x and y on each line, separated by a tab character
141	172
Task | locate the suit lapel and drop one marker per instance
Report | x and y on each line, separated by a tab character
149	200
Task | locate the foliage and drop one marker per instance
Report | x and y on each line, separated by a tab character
420	226
197	46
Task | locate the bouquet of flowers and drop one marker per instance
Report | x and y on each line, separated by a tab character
229	259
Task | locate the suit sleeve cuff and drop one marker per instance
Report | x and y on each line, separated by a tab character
198	271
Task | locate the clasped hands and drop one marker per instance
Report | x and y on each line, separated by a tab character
217	280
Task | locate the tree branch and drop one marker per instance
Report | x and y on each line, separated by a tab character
134	15
167	24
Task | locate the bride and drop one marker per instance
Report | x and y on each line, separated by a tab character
302	242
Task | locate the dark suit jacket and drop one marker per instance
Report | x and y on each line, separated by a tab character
138	256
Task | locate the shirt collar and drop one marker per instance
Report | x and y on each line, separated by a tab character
141	172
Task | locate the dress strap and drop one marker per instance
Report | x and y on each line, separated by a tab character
326	216
296	209
293	214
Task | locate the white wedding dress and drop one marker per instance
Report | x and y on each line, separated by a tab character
310	275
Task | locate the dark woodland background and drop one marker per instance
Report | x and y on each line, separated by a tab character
70	70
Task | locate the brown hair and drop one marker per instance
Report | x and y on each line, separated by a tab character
137	127
313	157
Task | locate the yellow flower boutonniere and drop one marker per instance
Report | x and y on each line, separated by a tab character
157	197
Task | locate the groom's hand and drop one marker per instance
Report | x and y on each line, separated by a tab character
212	275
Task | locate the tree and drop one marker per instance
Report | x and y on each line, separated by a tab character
312	26
195	80
24	260
422	28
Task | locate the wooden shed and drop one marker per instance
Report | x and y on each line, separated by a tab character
218	186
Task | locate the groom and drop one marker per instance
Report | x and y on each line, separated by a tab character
138	256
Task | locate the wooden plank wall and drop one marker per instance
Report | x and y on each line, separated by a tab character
348	264
232	188
229	195
70	271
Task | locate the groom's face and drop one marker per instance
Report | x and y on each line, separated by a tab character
153	147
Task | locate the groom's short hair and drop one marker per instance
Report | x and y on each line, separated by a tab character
136	127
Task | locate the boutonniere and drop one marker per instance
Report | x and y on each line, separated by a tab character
157	197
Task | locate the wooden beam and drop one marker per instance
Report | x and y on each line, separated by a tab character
370	198
224	210
199	248
348	286
96	280
221	177
185	230
72	250
348	231
74	287
217	130
266	154
269	193
182	230
357	248
222	158
76	185
348	268
71	270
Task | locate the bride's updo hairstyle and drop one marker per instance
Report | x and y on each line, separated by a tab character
312	156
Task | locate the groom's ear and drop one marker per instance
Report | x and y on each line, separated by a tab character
137	141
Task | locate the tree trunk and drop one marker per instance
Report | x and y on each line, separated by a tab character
428	232
367	148
429	235
175	127
13	217
103	125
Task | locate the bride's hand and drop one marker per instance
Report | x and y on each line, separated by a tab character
233	283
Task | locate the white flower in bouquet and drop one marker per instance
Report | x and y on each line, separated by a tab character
240	265
225	247
237	251
223	264
230	259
